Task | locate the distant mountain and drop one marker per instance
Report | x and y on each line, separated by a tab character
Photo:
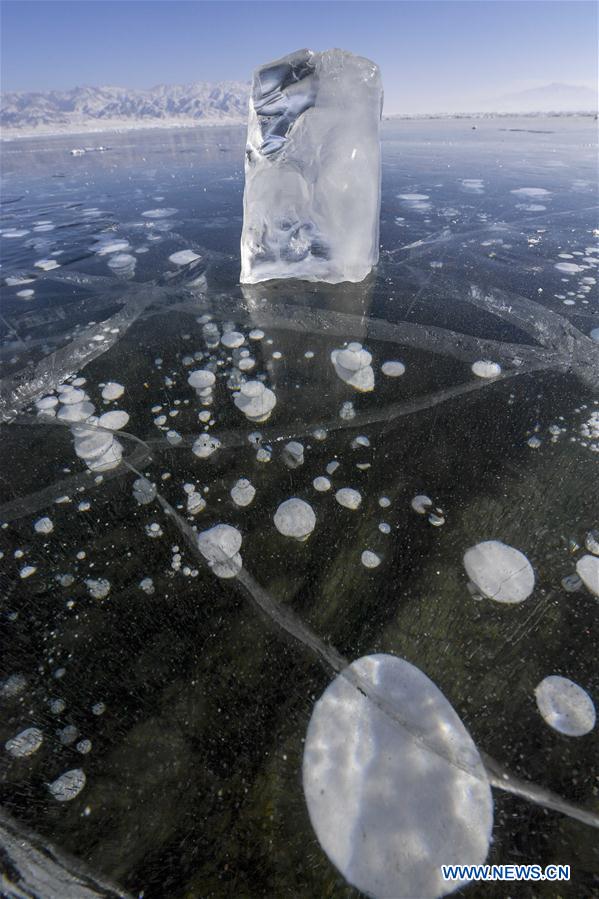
86	109
549	98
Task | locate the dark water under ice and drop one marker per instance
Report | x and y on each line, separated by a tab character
196	697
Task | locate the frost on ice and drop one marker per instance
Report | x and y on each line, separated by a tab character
390	808
313	169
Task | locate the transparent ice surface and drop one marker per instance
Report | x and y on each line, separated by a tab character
192	694
313	169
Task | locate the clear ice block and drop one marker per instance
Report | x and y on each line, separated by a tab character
313	169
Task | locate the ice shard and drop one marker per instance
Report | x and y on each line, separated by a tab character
313	169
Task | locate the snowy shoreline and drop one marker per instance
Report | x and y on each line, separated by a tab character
119	126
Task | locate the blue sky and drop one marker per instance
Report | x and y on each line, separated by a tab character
434	56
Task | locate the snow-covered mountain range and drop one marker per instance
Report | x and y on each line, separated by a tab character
89	109
113	108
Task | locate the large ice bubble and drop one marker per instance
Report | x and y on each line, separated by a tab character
390	808
313	169
499	572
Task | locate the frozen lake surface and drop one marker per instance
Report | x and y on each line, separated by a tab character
406	469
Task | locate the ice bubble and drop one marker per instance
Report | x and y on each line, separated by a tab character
499	572
421	504
27	571
46	402
159	213
25	743
13	685
46	265
84	746
112	391
25	294
15	232
91	443
43	526
293	454
390	808
220	547
384	528
295	518
144	491
347	411
201	379
108	460
565	706
569	267
122	264
370	559
68	734
68	785
591	542
534	442
153	530
242	493
320	433
113	420
205	445
360	442
232	339
71	395
255	401
112	246
183	257
332	467
75	412
263	454
352	365
321	484
587	569
483	368
173	437
594	335
393	369
147	585
348	498
195	503
385	502
530	192
98	708
256	334
98	588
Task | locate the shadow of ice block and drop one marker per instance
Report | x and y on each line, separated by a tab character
313	169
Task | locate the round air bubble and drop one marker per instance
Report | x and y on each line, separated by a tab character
242	493
25	743
483	368
393	369
499	572
75	412
394	784
295	518
565	706
348	498
201	379
112	391
370	559
68	785
205	446
113	420
587	569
